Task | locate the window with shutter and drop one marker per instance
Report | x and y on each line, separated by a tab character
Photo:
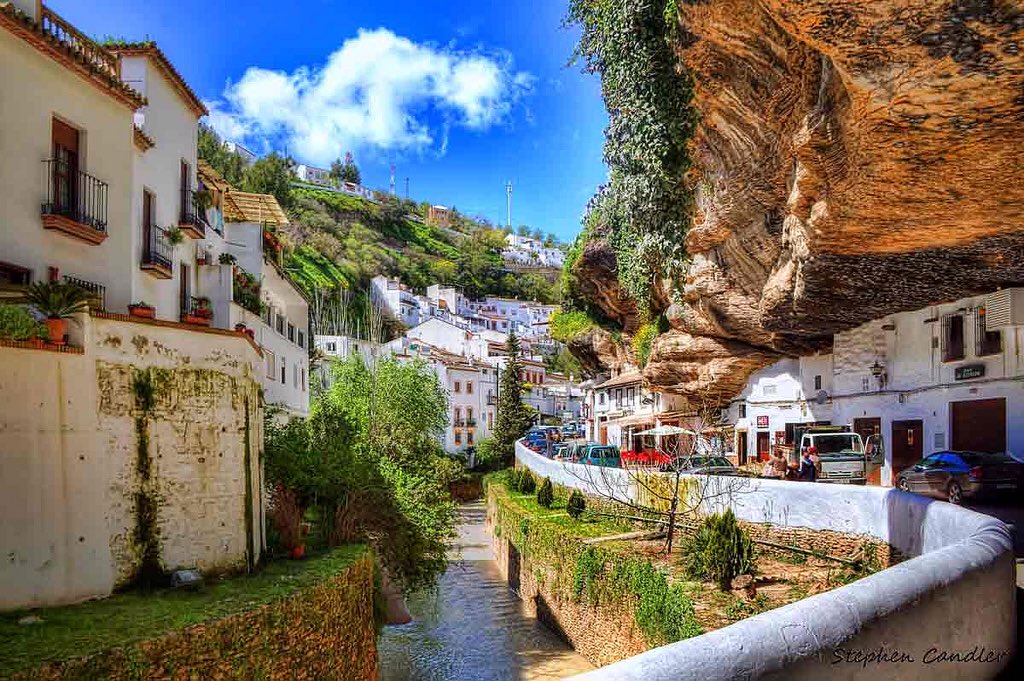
986	342
952	337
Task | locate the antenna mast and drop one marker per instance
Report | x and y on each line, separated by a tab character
392	179
508	192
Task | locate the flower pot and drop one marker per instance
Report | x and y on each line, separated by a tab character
299	552
251	334
143	312
196	320
57	328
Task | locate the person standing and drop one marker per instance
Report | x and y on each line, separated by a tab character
780	465
812	451
808	472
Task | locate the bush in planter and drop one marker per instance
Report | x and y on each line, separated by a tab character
576	505
720	550
17	323
57	301
174	235
546	493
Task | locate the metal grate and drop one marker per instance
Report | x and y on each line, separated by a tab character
158	250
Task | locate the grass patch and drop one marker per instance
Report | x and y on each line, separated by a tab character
122	619
565	325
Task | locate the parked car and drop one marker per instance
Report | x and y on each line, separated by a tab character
599	455
707	465
955	476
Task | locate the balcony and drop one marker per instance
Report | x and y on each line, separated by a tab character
192	220
97	292
196	311
157	254
78	44
76	202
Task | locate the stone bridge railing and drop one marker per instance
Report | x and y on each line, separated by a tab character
948	611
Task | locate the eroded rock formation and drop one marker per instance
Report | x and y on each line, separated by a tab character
857	159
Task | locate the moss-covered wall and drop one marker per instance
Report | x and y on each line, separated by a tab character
326	631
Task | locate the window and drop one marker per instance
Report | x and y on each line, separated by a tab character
469	437
952	337
271	363
458	415
302	339
743	410
865	384
768	389
817	382
291	332
469	387
303	376
14	274
490	420
458	387
631	396
986	342
469	416
295	375
618	397
600	398
280	323
458	437
332	347
284	372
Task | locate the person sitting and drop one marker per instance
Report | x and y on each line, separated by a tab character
780	465
768	471
808	472
812	451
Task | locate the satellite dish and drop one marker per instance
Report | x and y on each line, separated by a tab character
821	397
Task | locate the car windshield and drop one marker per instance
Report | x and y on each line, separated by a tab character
839	442
608	452
983	458
706	461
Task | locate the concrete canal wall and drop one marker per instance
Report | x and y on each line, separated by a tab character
947	612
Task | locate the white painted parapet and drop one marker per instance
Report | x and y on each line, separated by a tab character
947	612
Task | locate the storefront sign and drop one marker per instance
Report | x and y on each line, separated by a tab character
969	371
762	421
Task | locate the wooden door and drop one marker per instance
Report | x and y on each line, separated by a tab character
65	166
978	425
907	444
186	181
147	222
186	301
870	430
741	447
763	445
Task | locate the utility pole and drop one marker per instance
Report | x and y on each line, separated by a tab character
407	189
508	192
392	179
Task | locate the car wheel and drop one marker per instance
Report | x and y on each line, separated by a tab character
903	485
955	495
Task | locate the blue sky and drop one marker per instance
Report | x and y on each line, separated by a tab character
461	96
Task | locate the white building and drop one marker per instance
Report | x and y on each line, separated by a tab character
620	406
248	157
396	299
526	252
314	175
950	376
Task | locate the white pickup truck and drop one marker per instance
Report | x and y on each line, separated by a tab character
841	451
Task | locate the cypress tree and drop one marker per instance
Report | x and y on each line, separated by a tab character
514	417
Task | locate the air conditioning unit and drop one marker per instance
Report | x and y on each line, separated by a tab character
1004	308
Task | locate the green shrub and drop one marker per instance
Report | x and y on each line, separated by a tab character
546	493
642	341
720	550
576	505
17	323
566	325
527	483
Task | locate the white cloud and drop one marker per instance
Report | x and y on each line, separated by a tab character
377	91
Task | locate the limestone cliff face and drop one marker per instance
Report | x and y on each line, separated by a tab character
856	159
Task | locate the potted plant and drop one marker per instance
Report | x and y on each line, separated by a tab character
142	309
57	302
174	235
18	324
204	199
203	308
227	259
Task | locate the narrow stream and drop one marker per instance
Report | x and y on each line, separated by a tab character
473	627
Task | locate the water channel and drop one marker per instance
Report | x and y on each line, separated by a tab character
473	627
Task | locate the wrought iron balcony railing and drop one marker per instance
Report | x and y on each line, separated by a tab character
75	195
158	250
97	292
192	217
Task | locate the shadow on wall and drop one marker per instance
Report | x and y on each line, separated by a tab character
514	565
546	615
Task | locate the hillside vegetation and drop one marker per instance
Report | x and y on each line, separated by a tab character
339	240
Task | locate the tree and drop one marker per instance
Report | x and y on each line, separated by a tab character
214	151
514	417
271	174
523	230
663	491
347	171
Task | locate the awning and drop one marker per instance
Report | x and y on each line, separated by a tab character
631	421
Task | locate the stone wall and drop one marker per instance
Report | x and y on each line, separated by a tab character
326	631
602	634
143	451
